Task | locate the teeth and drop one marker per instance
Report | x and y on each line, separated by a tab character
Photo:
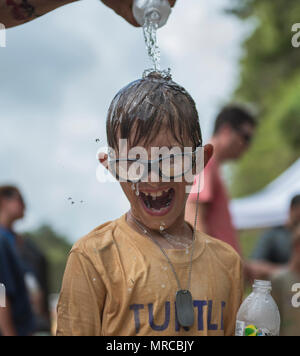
153	195
156	195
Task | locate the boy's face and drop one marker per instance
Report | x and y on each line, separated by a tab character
159	203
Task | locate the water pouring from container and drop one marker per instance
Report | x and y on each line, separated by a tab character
151	15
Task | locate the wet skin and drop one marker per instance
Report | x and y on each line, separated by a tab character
168	198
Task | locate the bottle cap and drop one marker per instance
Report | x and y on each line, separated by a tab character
262	284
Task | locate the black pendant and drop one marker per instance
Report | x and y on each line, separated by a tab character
185	308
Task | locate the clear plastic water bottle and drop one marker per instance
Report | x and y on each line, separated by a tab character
259	314
155	11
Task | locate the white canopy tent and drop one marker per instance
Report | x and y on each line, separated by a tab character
269	207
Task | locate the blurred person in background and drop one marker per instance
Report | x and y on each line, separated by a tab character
233	133
16	12
37	282
286	288
17	319
274	249
24	296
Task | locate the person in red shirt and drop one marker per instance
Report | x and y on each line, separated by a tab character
234	129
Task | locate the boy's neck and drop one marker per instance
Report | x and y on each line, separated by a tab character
180	231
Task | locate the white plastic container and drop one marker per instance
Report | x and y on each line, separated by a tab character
156	11
259	314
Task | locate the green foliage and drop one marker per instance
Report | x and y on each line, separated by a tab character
56	249
270	79
248	241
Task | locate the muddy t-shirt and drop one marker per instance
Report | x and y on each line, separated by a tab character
118	283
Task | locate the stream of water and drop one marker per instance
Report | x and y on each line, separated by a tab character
150	34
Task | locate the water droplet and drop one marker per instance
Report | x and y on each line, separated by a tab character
162	227
137	192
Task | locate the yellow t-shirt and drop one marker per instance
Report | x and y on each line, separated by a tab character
118	283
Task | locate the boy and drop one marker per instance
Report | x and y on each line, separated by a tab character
150	272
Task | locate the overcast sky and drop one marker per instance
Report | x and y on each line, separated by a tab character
58	75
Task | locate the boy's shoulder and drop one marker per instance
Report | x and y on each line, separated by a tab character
223	252
98	239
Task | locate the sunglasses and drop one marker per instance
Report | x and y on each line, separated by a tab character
245	136
168	168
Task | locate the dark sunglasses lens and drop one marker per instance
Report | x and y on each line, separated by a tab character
247	138
127	171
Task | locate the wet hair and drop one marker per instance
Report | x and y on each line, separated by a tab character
295	201
235	117
146	106
8	192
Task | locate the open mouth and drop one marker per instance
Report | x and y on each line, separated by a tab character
158	203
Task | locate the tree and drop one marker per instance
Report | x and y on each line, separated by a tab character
270	80
56	249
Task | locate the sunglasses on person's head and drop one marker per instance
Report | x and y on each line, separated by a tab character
245	136
168	168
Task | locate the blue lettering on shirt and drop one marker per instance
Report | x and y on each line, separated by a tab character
136	308
167	318
198	304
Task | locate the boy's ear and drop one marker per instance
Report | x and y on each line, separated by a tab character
103	159
208	153
202	159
